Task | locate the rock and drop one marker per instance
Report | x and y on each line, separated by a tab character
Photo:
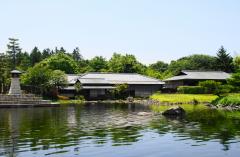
174	111
143	113
130	99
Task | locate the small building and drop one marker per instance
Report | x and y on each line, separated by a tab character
98	85
192	78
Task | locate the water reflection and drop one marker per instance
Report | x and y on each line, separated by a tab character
71	130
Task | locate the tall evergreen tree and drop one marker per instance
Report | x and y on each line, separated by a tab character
13	49
35	56
224	61
76	54
46	53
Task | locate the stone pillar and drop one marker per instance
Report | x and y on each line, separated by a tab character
15	88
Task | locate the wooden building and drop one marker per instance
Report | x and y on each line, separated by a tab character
98	85
192	78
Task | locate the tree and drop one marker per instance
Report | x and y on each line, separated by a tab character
224	61
159	66
76	55
192	62
13	49
120	91
25	61
78	86
35	56
125	64
46	53
58	79
210	85
234	81
4	72
98	64
37	77
60	61
237	62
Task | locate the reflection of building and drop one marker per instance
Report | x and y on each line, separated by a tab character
192	78
96	85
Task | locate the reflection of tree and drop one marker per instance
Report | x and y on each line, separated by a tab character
48	128
202	125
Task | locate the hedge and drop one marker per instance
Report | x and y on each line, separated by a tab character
192	90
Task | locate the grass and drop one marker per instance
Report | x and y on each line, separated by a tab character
186	107
69	102
229	100
183	98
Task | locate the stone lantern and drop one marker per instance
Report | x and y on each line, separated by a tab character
15	88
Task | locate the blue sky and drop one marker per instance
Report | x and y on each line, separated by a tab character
150	29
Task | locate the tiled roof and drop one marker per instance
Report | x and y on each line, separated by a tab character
200	75
113	78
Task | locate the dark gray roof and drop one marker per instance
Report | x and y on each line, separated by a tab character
113	78
16	72
200	75
90	87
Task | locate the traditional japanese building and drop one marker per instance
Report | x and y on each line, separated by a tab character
192	78
97	85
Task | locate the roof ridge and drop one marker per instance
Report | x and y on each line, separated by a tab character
108	73
203	71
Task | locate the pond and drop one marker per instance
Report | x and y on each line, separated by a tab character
117	130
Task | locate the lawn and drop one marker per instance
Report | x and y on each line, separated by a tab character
183	98
69	102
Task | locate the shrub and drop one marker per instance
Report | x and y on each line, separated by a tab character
234	80
191	90
60	97
79	97
229	100
210	85
223	89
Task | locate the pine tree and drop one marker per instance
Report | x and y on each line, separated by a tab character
76	54
35	56
224	61
13	49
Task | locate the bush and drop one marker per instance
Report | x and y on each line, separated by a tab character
223	89
191	90
210	86
79	97
229	100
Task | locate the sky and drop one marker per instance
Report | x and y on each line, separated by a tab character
152	30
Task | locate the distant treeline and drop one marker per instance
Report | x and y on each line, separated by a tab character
118	63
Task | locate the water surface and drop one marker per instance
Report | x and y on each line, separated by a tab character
117	131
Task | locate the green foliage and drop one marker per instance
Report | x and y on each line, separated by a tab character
76	55
120	91
223	90
210	85
57	79
35	56
98	64
224	61
234	81
80	97
229	100
37	77
125	64
60	61
159	66
193	62
191	90
78	86
4	73
237	62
